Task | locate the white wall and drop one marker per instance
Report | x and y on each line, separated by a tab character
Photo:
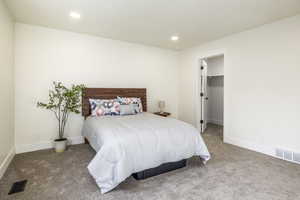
44	55
215	93
215	65
6	88
262	68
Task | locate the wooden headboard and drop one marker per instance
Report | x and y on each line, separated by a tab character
111	93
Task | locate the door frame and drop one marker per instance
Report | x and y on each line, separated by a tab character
204	55
203	94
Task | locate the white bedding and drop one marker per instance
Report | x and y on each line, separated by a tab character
130	144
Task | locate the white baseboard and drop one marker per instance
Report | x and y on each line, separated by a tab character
4	165
215	121
76	140
264	149
251	146
45	145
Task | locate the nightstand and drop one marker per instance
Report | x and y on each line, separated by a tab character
164	114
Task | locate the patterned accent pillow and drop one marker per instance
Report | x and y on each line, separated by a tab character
101	107
137	103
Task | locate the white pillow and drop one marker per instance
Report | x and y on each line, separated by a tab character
129	109
132	100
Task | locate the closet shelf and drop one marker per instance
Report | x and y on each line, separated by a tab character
219	75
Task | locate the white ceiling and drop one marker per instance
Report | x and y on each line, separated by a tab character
153	22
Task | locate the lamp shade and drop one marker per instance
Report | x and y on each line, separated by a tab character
161	105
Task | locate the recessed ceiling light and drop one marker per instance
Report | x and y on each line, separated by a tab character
174	38
75	15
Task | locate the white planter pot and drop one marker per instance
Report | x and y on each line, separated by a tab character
60	145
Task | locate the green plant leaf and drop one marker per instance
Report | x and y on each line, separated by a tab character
62	101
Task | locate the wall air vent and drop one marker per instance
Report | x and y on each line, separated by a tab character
279	153
287	155
296	157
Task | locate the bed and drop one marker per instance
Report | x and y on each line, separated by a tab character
141	145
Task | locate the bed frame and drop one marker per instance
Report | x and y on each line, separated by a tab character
111	93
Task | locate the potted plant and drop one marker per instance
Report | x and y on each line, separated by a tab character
62	102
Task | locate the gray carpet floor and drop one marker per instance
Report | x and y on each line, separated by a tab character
233	173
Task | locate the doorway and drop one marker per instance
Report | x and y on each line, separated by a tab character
212	95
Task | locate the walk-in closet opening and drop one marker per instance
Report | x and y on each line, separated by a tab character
212	95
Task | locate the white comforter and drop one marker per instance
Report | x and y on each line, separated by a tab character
130	144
